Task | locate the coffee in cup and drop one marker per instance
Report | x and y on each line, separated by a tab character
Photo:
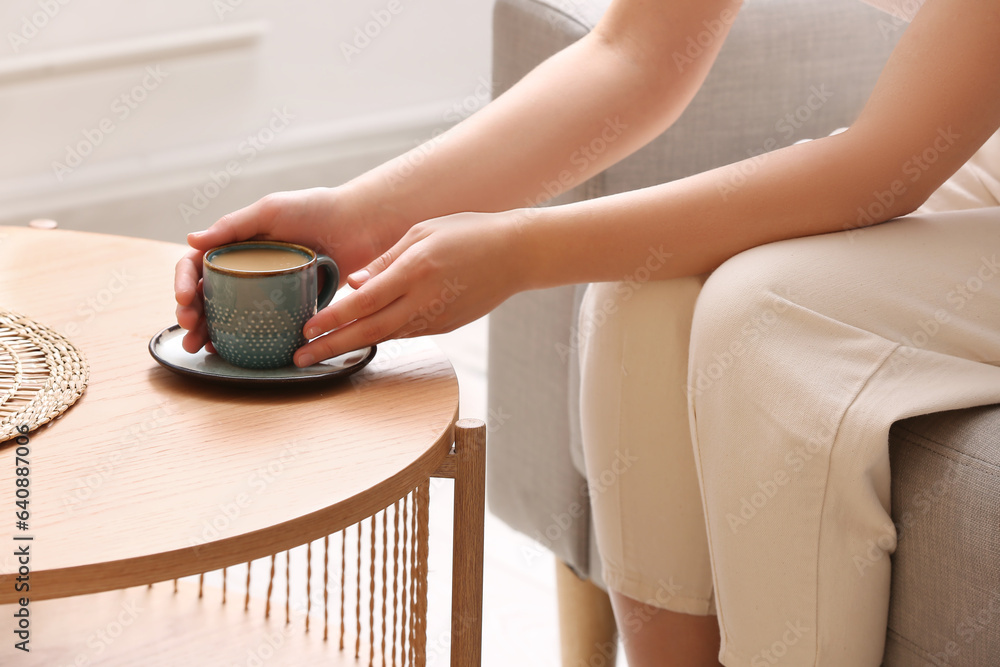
259	259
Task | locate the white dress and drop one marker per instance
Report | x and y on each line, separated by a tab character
753	407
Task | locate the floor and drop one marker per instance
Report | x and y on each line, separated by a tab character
519	604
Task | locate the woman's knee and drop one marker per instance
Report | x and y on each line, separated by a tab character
739	309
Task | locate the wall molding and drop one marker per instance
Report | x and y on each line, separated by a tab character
141	50
143	196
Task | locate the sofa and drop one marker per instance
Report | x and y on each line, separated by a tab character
780	58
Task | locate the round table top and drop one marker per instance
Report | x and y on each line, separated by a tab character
152	475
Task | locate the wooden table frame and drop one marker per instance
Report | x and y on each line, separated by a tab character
467	466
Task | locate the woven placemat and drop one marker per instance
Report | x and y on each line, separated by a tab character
41	374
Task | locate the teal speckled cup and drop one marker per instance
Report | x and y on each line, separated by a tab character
255	317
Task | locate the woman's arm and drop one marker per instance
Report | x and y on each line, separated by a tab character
620	83
936	102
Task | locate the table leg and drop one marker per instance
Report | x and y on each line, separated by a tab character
467	574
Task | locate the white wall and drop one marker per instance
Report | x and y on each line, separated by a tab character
114	114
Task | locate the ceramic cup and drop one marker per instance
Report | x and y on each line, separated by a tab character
255	317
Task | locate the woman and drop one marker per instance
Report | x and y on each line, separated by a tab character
802	350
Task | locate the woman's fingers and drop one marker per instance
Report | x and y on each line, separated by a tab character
359	278
362	332
376	266
248	222
187	273
364	317
386	259
192	318
196	338
414	327
373	296
189	314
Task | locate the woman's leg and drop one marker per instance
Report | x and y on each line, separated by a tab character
664	638
648	518
803	354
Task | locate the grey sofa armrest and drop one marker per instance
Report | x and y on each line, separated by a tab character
944	606
790	69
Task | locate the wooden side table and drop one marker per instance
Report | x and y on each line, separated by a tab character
137	483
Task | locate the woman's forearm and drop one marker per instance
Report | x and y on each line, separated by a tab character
580	111
690	226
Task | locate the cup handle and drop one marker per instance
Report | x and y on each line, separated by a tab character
331	280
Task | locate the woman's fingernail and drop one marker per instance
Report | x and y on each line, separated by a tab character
306	360
312	332
360	276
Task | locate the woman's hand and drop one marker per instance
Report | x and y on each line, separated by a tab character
330	221
442	274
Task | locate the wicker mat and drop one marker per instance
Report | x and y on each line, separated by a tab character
41	374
